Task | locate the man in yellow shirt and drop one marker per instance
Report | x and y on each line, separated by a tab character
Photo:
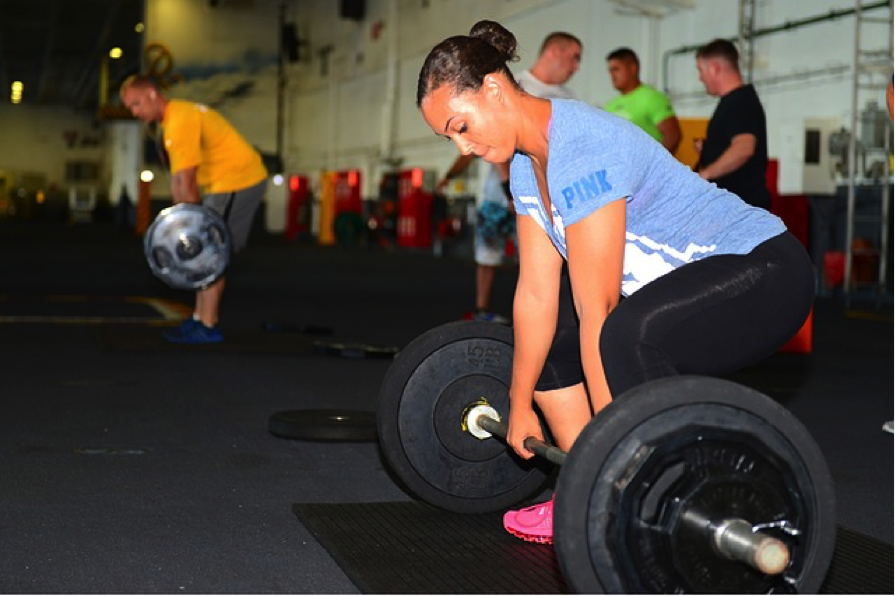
205	154
643	105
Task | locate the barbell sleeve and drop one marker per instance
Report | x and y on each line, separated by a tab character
737	540
540	448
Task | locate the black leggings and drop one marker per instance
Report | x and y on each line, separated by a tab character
709	317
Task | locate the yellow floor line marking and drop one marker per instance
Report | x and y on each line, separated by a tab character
172	311
869	316
169	311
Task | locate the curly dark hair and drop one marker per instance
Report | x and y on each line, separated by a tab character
463	61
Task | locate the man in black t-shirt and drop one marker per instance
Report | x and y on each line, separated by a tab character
734	154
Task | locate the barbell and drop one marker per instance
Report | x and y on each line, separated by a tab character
733	538
188	246
684	484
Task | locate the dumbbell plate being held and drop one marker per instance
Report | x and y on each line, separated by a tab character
188	246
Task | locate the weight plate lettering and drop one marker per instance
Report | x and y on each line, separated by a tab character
422	401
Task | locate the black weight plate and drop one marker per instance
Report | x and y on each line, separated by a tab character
274	327
690	444
421	404
324	425
354	350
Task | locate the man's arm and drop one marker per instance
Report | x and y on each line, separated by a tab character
890	97
184	187
671	133
458	167
741	148
503	170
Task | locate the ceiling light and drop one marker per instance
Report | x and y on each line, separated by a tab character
139	27
115	53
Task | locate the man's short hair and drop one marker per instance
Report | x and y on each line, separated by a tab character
722	49
137	81
626	54
559	36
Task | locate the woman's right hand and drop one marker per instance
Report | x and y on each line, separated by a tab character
523	423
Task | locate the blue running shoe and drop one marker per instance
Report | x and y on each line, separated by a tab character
490	317
195	334
188	323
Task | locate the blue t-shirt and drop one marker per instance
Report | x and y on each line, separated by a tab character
673	216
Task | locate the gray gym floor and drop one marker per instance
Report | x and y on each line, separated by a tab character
128	465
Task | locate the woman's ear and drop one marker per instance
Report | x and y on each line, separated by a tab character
494	86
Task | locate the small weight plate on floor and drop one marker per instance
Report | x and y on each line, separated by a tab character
354	350
274	327
324	425
422	401
679	449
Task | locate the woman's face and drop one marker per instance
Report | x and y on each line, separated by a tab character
477	122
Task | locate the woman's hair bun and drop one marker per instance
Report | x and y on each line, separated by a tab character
497	36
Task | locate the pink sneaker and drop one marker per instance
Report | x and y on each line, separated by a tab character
532	524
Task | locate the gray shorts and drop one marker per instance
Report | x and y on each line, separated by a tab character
238	209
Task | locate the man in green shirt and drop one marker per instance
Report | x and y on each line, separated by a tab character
639	103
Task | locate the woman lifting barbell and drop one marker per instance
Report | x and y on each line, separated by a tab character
632	267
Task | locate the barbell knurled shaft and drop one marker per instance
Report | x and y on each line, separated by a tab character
540	448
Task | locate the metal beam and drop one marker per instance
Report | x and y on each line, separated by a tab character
92	64
654	8
4	73
52	19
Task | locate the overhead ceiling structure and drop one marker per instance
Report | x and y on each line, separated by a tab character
59	49
653	8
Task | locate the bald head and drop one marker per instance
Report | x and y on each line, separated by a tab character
142	97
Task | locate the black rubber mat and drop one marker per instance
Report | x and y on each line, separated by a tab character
413	548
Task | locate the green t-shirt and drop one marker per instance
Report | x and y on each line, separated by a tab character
646	107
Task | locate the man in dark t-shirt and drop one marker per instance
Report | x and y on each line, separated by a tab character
734	154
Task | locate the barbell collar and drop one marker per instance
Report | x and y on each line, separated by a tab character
538	447
738	540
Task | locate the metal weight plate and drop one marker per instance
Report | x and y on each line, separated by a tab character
354	350
188	246
422	401
324	425
671	449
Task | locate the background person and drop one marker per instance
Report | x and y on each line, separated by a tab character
711	283
558	59
734	154
889	425
495	204
204	152
645	106
890	98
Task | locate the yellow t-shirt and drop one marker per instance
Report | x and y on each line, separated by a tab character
198	136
